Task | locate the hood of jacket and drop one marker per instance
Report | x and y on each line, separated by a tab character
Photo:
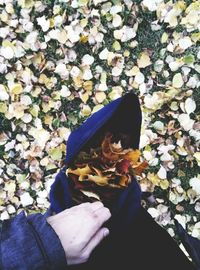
122	115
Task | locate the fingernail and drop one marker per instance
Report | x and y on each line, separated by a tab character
106	232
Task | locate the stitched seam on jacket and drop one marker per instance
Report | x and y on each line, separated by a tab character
39	242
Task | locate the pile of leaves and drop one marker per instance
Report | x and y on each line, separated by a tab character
102	172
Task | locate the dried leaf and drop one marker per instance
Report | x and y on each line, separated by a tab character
144	60
190	105
132	156
177	81
80	171
164	184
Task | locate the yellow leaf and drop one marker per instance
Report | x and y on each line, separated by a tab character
64	132
50	166
116	46
84	22
84	97
16	89
7	43
78	81
48	119
36	92
133	71
82	2
34	110
84	39
44	161
100	97
26	3
153	178
51	22
45	107
38	59
195	37
99	180
86	110
148	148
164	37
126	53
62	147
144	60
133	156
88	85
3	107
164	184
181	5
43	79
177	80
97	108
197	156
80	171
56	153
62	37
2	202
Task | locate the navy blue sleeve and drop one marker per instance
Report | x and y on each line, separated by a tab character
30	243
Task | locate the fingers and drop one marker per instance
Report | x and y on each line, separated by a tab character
101	215
96	209
97	215
96	239
66	211
96	205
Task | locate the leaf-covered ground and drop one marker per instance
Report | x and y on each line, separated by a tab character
60	61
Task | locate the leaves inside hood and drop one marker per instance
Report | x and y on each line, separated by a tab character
109	166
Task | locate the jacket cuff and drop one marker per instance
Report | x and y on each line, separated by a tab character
48	241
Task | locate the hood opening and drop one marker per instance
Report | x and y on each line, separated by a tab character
124	119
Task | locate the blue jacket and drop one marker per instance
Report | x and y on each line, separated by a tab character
30	243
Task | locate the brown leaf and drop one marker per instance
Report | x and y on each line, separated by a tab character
140	168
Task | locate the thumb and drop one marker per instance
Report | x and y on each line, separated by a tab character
95	240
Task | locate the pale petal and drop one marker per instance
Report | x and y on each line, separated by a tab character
162	174
190	105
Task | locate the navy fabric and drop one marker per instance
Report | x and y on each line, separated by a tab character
143	245
192	245
29	243
60	197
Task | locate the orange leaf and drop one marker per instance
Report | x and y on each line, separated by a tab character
124	180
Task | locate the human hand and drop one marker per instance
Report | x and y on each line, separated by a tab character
80	230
